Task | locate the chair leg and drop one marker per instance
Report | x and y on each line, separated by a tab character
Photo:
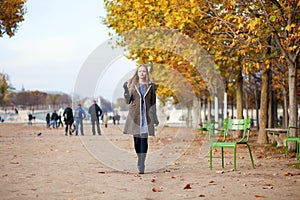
253	166
210	158
222	157
286	150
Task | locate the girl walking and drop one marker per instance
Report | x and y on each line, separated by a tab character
140	94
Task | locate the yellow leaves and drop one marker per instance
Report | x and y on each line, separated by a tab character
254	24
232	44
289	27
267	62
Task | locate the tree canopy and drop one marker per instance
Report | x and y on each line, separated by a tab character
11	14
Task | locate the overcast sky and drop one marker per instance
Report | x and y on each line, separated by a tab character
53	42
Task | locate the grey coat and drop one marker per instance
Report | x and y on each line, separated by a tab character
134	99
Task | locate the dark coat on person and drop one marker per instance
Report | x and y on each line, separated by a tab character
134	119
95	111
68	116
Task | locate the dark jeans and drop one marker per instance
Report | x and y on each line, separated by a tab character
78	123
98	127
140	144
68	128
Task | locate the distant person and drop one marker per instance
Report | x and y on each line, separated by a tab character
30	118
48	119
140	94
79	116
114	119
59	122
95	111
69	119
117	119
54	118
105	119
16	110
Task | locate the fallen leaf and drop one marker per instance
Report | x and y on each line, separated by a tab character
187	187
260	196
267	187
290	174
156	190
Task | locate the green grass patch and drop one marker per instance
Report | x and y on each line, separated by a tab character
294	165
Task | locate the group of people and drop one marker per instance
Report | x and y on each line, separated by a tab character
74	121
54	120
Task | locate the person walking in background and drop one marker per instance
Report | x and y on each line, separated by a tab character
54	118
59	122
48	119
117	119
105	119
69	119
30	118
79	116
95	111
140	94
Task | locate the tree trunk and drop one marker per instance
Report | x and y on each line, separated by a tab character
189	116
285	108
200	112
262	137
208	109
293	95
204	109
239	96
257	109
293	101
196	113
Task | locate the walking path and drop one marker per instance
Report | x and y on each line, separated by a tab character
40	163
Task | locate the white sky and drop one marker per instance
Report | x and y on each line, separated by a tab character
53	42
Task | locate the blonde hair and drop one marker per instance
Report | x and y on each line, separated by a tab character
135	78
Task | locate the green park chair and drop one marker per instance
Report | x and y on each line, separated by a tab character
293	139
207	127
231	125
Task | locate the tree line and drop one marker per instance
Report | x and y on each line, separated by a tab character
255	47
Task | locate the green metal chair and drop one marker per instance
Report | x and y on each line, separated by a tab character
293	139
229	126
207	127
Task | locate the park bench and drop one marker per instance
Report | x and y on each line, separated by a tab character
295	138
276	136
232	125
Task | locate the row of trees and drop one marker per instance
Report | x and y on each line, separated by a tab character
249	41
30	99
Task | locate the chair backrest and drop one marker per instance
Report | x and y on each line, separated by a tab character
238	125
293	131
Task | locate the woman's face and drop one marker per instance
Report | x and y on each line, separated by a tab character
142	72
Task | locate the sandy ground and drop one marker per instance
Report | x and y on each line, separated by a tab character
55	166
